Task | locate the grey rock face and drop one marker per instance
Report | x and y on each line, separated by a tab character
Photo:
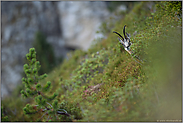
65	24
20	22
80	21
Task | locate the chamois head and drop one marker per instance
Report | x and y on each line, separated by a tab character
124	41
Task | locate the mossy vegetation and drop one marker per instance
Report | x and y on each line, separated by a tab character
108	84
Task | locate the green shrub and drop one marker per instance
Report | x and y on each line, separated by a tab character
46	105
172	7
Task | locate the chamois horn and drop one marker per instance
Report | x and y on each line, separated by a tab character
119	35
124	32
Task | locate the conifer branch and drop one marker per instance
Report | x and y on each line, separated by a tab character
34	89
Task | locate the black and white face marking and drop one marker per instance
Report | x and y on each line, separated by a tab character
124	41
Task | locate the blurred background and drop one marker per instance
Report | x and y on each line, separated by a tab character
54	29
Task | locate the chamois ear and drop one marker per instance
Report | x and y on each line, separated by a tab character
118	35
124	32
127	35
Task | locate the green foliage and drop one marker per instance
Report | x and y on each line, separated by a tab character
35	90
108	84
3	117
45	53
172	7
128	92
